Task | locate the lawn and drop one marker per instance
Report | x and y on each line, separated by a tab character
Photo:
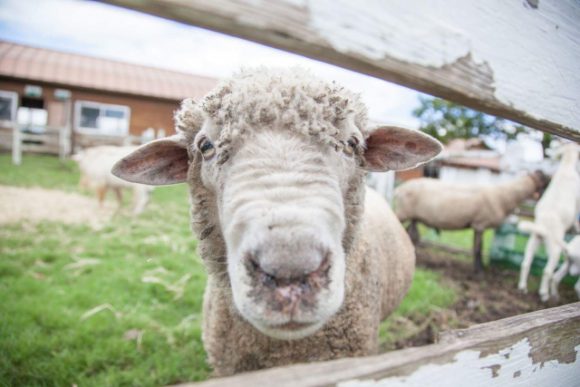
117	306
462	239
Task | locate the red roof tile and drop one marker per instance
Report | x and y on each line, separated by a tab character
32	63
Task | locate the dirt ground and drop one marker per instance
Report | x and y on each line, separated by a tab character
490	296
38	204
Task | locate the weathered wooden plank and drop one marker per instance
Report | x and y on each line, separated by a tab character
516	59
535	349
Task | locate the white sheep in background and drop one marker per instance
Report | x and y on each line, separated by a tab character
303	261
452	206
95	168
555	213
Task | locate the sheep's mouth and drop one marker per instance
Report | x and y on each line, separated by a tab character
292	330
292	326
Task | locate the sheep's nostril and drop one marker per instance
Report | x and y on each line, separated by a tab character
254	265
274	277
268	280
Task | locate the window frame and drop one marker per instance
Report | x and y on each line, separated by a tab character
102	107
13	109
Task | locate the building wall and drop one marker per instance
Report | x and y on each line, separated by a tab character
473	176
145	112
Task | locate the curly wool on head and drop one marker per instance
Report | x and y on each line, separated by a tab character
292	100
289	99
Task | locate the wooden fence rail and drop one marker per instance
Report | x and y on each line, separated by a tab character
535	349
54	140
516	59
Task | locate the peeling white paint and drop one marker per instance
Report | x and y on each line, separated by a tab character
351	29
533	54
513	367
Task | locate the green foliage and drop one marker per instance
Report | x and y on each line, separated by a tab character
446	120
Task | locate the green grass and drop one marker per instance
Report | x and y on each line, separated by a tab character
461	239
426	295
120	306
145	333
39	171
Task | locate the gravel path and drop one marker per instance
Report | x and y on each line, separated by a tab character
37	204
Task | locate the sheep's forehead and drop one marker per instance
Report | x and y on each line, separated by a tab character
282	100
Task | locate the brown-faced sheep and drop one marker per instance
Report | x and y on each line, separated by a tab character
555	213
451	206
303	261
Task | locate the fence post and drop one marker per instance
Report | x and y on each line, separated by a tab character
16	144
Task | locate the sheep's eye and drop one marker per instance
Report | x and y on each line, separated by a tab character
350	147
206	148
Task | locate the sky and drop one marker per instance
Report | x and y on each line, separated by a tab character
102	30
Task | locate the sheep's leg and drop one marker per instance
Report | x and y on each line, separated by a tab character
141	198
83	183
477	244
413	232
101	193
560	274
119	194
531	247
577	288
554	251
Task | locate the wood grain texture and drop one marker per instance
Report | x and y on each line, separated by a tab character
539	349
513	59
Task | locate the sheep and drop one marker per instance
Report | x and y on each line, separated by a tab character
571	262
303	261
555	213
95	168
451	206
570	265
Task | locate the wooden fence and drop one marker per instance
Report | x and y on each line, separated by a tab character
51	140
516	59
538	349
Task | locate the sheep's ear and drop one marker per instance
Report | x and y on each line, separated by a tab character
160	162
390	148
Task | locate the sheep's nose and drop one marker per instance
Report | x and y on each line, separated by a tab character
285	287
285	274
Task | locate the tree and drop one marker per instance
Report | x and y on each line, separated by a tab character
446	120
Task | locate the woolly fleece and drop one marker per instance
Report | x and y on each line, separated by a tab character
379	255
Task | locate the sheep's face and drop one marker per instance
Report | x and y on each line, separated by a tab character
281	203
280	198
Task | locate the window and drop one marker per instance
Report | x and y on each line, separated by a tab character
7	106
32	120
100	118
32	117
